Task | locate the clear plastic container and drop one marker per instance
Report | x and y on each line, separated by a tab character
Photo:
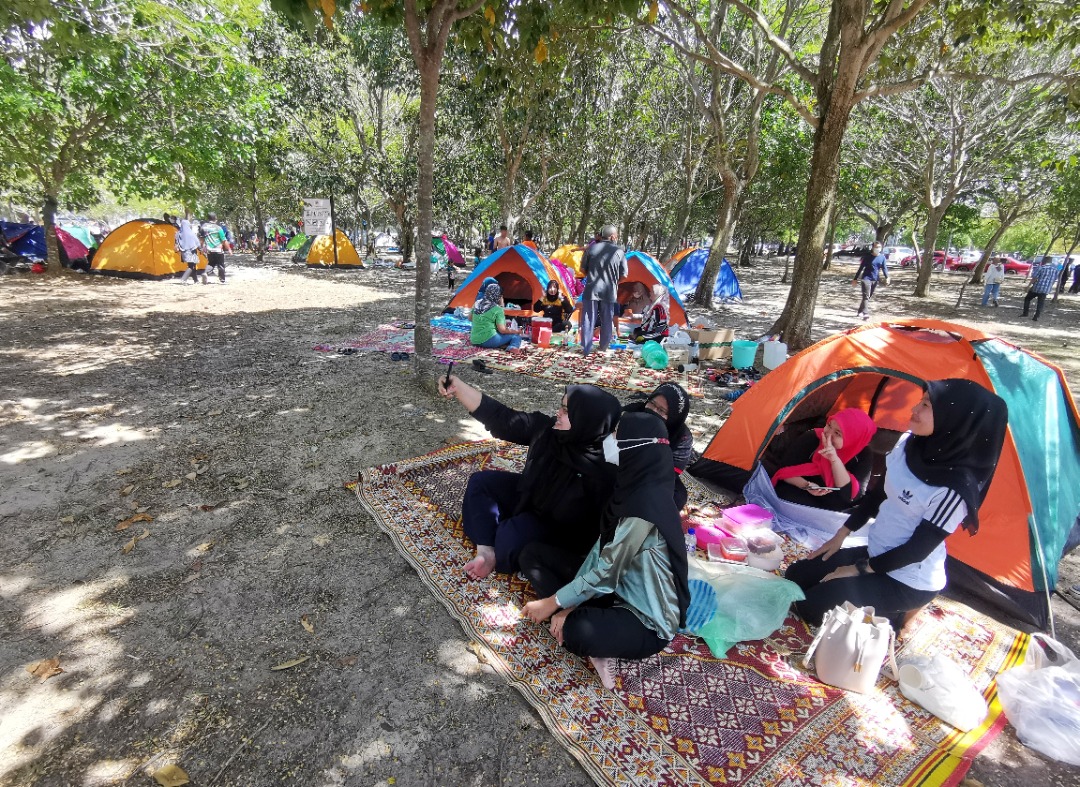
764	548
743	519
729	548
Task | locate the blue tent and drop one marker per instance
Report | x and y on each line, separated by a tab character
687	274
25	239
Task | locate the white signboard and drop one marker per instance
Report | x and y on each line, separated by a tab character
316	216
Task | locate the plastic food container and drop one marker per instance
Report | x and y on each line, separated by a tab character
742	519
764	549
708	533
729	548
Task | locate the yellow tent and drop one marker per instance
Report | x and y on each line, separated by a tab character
320	254
570	256
141	249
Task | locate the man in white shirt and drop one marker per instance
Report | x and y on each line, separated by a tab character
995	275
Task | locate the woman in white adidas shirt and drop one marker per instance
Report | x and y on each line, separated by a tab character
935	479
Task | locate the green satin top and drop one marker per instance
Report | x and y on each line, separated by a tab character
635	567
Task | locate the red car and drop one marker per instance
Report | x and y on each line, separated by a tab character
941	261
1013	266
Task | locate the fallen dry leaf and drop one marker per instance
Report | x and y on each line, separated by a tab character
347	661
199	458
130	545
133	505
204	546
476	650
132	520
307	625
214	412
127	490
142	509
242	483
170	484
171	776
125	471
210	506
67	520
289	664
45	669
191	476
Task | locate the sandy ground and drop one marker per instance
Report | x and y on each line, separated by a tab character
206	410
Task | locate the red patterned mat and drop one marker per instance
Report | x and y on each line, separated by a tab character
620	370
447	345
684	717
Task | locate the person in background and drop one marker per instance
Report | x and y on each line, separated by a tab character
671	404
503	240
528	241
995	275
1043	278
935	480
555	306
489	328
214	239
629	597
187	243
654	320
559	496
451	276
605	266
872	268
829	467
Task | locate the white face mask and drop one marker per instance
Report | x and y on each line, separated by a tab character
612	449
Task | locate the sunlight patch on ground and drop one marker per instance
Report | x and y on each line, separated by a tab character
104	772
470	429
36	449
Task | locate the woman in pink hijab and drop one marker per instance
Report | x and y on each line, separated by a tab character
829	467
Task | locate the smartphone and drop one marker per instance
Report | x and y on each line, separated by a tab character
824	488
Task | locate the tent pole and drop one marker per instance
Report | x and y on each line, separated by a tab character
333	229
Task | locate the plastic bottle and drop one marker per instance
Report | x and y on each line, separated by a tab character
513	323
691	541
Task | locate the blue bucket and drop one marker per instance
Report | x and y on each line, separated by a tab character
742	354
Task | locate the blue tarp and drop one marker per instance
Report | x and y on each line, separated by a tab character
25	239
687	274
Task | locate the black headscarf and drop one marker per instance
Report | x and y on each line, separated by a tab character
593	413
963	451
644	487
678	405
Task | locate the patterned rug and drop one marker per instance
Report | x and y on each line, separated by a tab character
447	345
620	370
684	717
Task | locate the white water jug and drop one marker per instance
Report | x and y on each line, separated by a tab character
775	353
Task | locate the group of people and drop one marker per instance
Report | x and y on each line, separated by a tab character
593	519
211	238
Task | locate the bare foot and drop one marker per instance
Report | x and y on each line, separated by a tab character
605	668
483	564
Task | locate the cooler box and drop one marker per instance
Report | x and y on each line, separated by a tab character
541	331
743	519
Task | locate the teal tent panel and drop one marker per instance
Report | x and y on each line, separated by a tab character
1047	439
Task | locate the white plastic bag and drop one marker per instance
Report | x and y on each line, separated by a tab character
1042	699
940	685
678	338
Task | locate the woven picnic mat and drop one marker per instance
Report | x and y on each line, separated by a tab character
684	717
620	370
447	345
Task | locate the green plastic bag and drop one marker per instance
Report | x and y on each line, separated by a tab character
746	603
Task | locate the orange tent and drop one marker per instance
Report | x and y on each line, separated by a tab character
522	273
675	258
141	249
1030	511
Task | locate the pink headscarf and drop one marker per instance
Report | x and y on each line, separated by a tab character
858	430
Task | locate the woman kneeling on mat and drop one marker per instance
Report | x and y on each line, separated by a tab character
828	468
935	479
560	494
629	598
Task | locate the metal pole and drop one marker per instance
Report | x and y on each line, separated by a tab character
333	230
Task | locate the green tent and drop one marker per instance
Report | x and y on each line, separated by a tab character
296	241
82	234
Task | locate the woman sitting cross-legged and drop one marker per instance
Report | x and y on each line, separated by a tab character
671	404
489	328
560	494
556	307
629	598
654	319
935	479
829	468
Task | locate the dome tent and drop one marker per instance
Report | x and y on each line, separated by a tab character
318	252
522	273
141	249
1030	515
687	273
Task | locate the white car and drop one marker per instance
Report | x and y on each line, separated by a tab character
896	253
970	256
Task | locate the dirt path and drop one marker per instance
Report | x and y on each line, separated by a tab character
205	410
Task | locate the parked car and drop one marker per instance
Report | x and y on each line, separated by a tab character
970	257
941	261
1013	266
897	253
851	252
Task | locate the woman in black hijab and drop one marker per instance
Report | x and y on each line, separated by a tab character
935	480
671	403
629	598
560	494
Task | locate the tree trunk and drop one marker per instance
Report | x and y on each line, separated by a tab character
260	228
795	321
1063	280
703	295
52	243
933	221
586	212
429	90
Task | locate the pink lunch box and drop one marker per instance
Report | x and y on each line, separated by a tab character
742	519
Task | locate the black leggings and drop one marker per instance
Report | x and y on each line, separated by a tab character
597	627
890	598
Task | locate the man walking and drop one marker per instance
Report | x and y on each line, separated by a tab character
871	269
1043	279
995	275
605	266
213	238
